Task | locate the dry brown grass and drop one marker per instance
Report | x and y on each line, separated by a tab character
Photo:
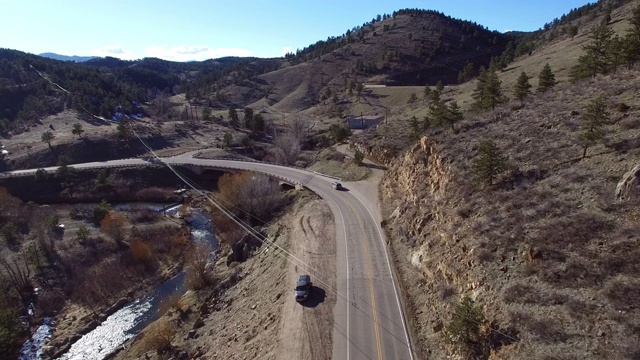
347	171
547	250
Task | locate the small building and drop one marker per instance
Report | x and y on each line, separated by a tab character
364	122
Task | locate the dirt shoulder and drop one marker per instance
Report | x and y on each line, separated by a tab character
258	304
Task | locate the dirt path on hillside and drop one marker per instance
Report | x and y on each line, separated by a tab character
306	328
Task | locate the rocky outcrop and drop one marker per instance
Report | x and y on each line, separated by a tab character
418	180
380	155
629	186
243	249
421	195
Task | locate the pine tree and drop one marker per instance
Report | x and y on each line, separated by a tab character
47	137
125	132
593	119
440	86
206	114
227	139
258	124
464	329
523	87
507	55
415	128
632	39
248	117
454	114
77	130
573	31
598	49
546	79
479	93
489	163
494	91
426	93
437	112
466	74
359	89
616	52
358	157
233	117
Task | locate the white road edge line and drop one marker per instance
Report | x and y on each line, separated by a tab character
395	290
346	255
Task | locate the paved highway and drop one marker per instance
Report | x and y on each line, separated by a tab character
368	319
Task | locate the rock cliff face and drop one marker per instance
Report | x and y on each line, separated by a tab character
629	186
414	190
417	186
436	265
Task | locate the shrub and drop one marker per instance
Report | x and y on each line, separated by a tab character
158	336
358	157
144	216
100	211
547	330
9	330
152	194
629	123
41	175
10	233
114	225
83	233
623	295
197	261
140	251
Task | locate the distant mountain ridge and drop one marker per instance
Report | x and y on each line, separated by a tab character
73	58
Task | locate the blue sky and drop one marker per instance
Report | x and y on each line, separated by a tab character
198	30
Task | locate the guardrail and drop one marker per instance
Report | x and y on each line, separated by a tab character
245	159
149	163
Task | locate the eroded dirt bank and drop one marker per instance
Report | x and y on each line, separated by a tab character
251	312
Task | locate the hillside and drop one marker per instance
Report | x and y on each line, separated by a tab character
74	58
547	252
33	87
410	47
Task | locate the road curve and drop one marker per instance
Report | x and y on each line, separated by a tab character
368	318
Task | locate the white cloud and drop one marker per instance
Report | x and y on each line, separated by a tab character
286	49
114	51
192	53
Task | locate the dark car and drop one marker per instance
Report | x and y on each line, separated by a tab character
303	288
336	185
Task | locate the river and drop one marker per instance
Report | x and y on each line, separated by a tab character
132	318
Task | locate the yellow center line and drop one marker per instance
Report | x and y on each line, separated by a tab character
370	273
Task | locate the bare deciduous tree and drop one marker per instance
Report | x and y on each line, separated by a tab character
288	148
298	127
197	261
18	275
258	196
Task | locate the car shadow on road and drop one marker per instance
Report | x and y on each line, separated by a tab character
342	188
317	297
